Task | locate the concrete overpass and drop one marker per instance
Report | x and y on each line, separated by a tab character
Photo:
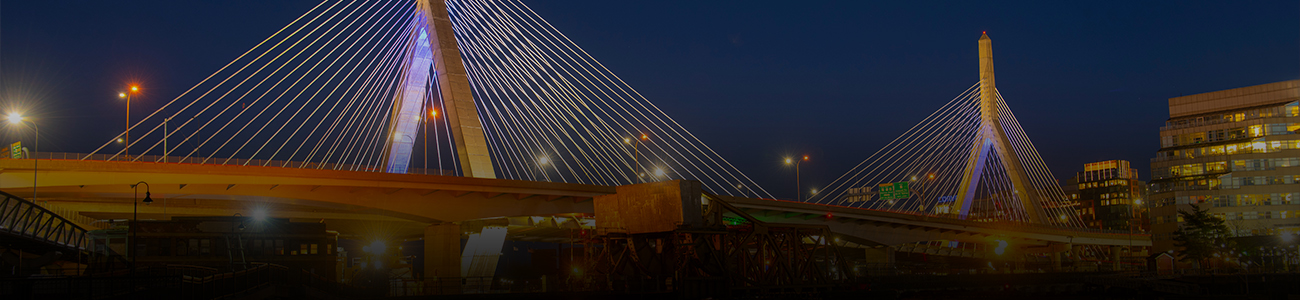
376	204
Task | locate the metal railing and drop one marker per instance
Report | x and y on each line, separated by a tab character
452	286
230	162
19	217
172	282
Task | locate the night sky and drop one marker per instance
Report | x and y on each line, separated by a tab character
756	80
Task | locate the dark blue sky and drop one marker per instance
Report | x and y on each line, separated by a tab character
756	80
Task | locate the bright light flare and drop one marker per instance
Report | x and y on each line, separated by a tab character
645	137
543	160
121	95
15	118
259	214
659	172
789	160
135	88
376	247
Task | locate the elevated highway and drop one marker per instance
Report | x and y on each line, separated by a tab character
403	205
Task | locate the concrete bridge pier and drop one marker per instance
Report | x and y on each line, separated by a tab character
1059	254
442	259
881	255
1114	257
449	269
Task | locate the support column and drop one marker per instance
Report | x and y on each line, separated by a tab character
883	255
453	85
1114	257
408	107
992	135
442	259
1056	261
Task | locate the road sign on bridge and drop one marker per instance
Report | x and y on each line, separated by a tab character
894	191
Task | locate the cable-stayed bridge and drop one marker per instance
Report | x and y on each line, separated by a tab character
424	116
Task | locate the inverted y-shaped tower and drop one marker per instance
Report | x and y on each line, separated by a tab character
436	47
992	139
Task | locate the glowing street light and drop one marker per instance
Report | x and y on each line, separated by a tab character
375	247
127	136
797	187
433	114
542	161
636	155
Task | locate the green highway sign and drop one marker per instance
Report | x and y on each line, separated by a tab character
16	150
894	191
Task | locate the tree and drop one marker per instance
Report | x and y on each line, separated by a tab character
1201	236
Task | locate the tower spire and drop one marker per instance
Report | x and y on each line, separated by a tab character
993	140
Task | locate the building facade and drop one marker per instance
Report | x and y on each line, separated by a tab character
1235	152
1110	196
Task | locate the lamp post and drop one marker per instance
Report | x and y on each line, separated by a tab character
127	138
636	156
432	114
798	190
17	118
135	218
920	195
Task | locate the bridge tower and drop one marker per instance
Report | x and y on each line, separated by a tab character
992	140
436	47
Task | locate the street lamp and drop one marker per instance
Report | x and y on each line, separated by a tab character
541	162
127	138
135	217
920	196
636	155
433	114
17	118
798	190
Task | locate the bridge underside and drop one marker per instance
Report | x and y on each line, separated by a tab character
349	202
